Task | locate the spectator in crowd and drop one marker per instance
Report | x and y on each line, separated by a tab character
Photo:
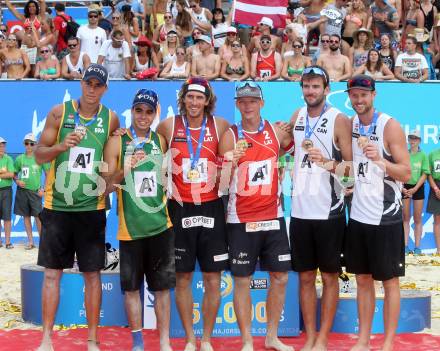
291	35
105	24
90	35
193	50
179	68
46	35
337	65
264	29
15	61
324	48
184	24
411	67
117	25
49	67
266	63
159	9
236	67
356	18
29	190
145	59
312	12
200	16
333	16
115	55
414	190
374	67
76	62
294	65
33	12
6	175
60	23
362	43
206	65
220	26
382	19
168	48
426	49
171	7
29	43
413	19
388	55
225	51
436	33
160	33
433	206
130	23
429	13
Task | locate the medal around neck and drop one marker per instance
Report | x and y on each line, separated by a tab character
307	144
81	130
242	144
362	141
193	174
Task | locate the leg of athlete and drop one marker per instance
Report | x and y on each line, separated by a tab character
243	310
92	299
162	309
308	300
210	305
185	303
391	311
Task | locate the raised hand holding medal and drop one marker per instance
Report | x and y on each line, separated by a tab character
193	174
363	139
81	128
307	143
139	153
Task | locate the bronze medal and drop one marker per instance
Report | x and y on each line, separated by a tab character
242	144
307	144
362	141
193	174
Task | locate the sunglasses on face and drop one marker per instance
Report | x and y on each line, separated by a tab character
93	16
236	45
232	34
72	46
297	46
12	39
44	51
172	35
193	6
324	41
334	41
197	33
115	17
265	41
29	143
180	53
167	17
119	41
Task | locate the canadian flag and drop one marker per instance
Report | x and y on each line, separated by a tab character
250	11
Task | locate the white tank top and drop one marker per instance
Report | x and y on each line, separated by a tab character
168	57
316	193
201	16
178	70
377	199
141	67
79	67
219	33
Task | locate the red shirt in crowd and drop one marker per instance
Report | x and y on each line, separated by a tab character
60	25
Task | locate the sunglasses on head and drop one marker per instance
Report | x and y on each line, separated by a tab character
265	41
29	143
242	85
44	51
315	70
359	83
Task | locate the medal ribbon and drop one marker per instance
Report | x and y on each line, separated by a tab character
78	121
194	158
240	129
372	125
309	131
141	144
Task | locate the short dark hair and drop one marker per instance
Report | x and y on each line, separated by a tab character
412	38
72	38
311	74
335	36
60	7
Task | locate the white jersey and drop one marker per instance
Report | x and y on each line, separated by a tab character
377	199
79	67
178	70
316	193
219	33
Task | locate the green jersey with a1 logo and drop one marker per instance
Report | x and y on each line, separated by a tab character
6	165
29	171
434	164
142	209
73	182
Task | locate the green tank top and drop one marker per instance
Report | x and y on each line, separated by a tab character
142	209
73	183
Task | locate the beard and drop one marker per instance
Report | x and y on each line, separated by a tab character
318	101
334	48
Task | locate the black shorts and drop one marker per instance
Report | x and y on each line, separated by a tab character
249	242
317	244
419	194
5	203
27	203
200	234
152	257
378	250
65	233
349	40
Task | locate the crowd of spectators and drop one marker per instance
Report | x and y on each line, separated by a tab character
175	39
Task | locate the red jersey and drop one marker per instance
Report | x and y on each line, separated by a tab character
204	188
60	25
254	194
266	65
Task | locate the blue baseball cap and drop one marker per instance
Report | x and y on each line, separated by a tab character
145	96
96	71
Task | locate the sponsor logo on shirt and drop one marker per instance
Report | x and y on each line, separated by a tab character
197	221
262	226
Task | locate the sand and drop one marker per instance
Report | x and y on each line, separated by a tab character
422	273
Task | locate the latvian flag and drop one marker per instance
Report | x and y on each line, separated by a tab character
250	11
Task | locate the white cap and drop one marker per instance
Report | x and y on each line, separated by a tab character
267	21
2	141
231	29
31	137
415	133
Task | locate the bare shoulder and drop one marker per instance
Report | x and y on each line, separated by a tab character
165	127
222	124
114	121
55	114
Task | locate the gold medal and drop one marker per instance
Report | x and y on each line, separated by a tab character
193	174
242	144
81	130
362	141
307	144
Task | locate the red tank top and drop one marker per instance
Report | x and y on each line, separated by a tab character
205	187
254	191
35	22
266	65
